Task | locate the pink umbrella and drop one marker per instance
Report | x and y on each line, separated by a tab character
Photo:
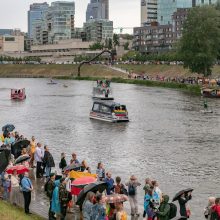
83	181
19	168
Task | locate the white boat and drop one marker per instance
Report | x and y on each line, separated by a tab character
109	111
102	93
206	111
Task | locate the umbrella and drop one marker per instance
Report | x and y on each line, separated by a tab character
20	169
115	198
8	127
74	167
17	147
4	158
83	181
176	197
76	174
92	187
22	158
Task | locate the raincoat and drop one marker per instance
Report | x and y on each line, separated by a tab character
150	212
55	206
164	210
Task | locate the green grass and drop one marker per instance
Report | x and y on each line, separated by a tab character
9	212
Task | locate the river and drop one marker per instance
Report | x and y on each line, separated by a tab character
167	138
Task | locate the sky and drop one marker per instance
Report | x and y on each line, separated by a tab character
124	13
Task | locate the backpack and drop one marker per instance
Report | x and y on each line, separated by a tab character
214	216
173	210
131	190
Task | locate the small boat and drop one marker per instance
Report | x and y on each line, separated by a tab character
52	82
210	93
206	111
65	86
109	111
18	94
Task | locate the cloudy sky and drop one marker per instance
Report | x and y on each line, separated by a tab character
124	13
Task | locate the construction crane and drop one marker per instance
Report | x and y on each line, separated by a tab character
122	28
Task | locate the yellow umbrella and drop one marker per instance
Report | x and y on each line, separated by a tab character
2	138
76	174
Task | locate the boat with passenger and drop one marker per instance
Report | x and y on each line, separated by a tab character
18	94
51	82
210	92
102	90
109	111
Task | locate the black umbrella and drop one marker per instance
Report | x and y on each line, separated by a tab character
8	127
75	167
4	158
92	187
177	196
16	147
22	158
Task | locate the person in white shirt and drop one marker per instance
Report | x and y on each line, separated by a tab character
38	156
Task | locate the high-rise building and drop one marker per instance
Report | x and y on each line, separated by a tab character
35	12
98	30
166	8
97	9
148	12
60	20
57	23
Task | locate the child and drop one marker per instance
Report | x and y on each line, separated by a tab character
100	172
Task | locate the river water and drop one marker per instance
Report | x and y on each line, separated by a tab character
167	138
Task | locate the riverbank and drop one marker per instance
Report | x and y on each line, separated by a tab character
10	212
92	73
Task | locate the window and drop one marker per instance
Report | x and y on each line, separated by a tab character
105	109
95	107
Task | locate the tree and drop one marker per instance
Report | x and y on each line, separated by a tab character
96	46
126	46
115	40
200	44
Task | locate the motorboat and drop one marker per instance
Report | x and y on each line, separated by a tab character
102	93
109	111
102	90
18	94
210	92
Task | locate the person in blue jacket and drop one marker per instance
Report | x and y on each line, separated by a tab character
110	183
55	206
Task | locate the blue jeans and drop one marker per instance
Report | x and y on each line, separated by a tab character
48	171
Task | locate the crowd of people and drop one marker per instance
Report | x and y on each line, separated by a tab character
95	207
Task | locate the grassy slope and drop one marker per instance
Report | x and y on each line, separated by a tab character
9	212
56	70
164	70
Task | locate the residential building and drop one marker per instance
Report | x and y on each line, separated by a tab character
166	8
97	9
205	2
35	12
98	30
60	20
148	12
10	43
56	23
6	31
153	39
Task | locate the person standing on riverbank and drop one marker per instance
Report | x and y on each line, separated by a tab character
100	172
184	198
62	163
32	151
132	194
74	159
38	156
27	188
110	183
48	161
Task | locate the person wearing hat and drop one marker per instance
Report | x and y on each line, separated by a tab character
49	187
132	194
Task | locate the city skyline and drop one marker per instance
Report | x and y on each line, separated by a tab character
17	18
